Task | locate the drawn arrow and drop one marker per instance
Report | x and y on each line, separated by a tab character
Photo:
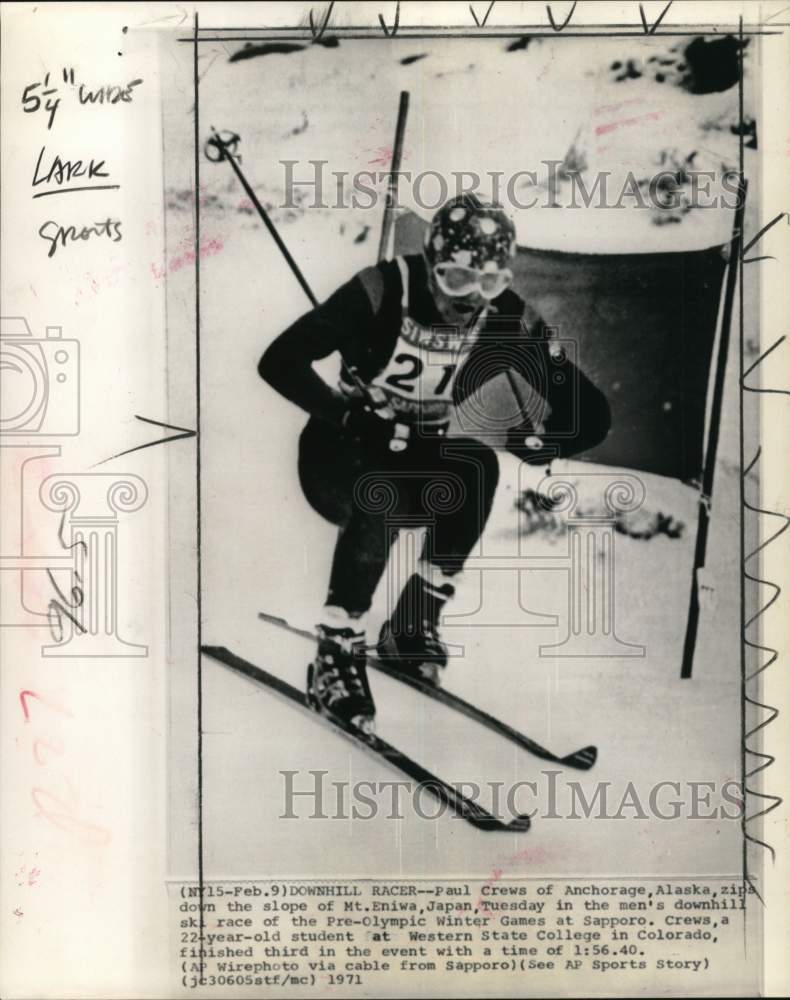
393	31
645	28
763	231
183	433
318	33
565	22
481	24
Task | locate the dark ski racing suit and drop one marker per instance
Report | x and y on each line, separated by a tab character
386	327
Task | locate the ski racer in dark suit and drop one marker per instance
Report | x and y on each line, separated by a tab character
416	336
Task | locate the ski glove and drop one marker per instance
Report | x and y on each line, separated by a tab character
372	422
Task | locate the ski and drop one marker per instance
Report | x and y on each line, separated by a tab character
467	808
582	759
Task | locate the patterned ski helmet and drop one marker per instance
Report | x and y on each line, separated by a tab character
468	232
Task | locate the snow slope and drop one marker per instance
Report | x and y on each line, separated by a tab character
475	106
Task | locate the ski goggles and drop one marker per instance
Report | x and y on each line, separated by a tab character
456	280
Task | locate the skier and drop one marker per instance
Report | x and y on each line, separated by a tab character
416	335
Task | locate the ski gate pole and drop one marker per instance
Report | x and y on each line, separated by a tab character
397	150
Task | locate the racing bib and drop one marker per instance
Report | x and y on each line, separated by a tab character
419	377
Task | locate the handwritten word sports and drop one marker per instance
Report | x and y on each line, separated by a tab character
60	236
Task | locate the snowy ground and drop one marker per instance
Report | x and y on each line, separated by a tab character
264	548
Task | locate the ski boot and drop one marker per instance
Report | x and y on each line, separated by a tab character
337	682
409	641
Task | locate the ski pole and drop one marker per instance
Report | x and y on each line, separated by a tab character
223	147
226	153
402	434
